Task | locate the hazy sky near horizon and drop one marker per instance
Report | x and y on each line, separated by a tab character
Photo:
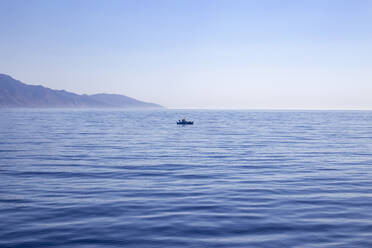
262	54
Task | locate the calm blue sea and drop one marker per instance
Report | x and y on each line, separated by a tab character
103	178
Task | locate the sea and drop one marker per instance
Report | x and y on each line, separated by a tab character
116	178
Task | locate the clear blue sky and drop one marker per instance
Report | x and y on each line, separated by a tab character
196	54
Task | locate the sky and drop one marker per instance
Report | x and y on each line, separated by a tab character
231	54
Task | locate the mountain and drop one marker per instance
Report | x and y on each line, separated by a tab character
14	93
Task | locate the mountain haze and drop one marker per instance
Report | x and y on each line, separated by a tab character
14	93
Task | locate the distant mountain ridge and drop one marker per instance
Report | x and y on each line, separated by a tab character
14	93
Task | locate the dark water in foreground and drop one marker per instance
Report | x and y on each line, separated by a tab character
136	179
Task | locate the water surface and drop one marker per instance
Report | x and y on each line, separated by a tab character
110	178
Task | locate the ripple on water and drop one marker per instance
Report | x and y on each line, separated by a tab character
233	179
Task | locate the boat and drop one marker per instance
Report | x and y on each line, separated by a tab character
184	122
